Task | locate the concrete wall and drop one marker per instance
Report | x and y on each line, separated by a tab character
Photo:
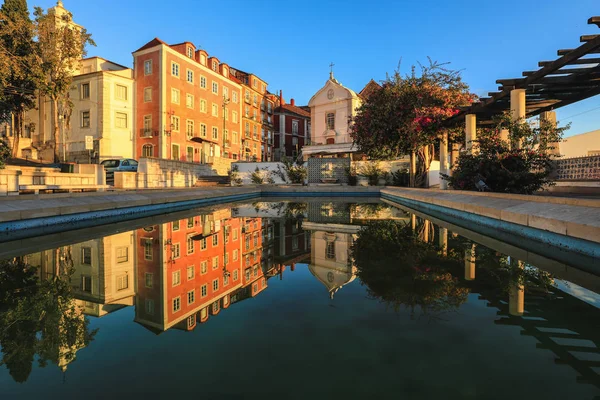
586	144
161	173
18	179
245	170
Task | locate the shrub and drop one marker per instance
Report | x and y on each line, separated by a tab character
234	176
257	177
292	172
4	153
401	177
372	172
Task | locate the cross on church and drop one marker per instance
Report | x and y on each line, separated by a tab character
331	70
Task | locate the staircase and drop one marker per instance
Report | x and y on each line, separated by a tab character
205	181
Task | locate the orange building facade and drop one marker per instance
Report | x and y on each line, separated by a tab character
188	104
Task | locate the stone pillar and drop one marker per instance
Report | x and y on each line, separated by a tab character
444	160
443	241
517	108
516	296
413	222
504	135
470	131
470	263
454	155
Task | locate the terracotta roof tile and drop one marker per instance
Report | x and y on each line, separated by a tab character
152	43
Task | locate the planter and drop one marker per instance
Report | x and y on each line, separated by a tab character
329	180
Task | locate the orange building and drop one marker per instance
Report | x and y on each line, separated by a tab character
188	269
188	104
257	117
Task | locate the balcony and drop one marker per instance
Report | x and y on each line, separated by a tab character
262	106
247	100
147	133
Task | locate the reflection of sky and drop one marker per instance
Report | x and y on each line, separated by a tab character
581	293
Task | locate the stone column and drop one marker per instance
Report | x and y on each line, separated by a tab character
470	131
443	241
470	263
444	159
454	155
517	108
413	222
504	135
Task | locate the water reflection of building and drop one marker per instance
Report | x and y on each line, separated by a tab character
188	269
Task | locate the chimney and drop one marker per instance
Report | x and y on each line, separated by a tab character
292	102
281	100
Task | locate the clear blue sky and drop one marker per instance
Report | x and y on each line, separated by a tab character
290	44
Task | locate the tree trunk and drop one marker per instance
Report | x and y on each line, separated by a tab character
413	169
17	131
55	129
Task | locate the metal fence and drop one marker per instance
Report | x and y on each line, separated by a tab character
578	169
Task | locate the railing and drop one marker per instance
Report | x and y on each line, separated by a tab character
147	133
579	168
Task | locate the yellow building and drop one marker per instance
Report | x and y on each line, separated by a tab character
582	145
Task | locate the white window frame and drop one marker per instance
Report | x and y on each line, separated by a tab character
175	96
215	87
175	70
189	100
176	301
147	67
189	74
119	117
203	82
148	91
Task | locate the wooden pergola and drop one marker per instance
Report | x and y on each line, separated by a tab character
572	77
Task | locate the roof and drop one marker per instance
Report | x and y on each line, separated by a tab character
107	60
293	109
150	44
571	78
369	88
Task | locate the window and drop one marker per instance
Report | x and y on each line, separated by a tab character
255	240
226	259
247	96
147	67
215	240
234	117
147	150
85	119
121	92
175	226
203	290
190	154
176	251
203	105
216	285
235	234
255	134
191	320
225	280
86	283
225	93
234	137
190	52
235	255
226	114
215	262
294	127
234	97
215	133
294	141
190	76
121	120
247	273
255	102
175	123
202	130
174	69
190	222
203	267
203	244
247	260
148	249
175	96
235	275
149	279
189	128
86	255
122	254
150	306
176	278
247	242
255	271
254	83
203	82
330	120
262	87
330	251
215	65
176	304
190	245
215	307
215	110
189	100
147	95
295	243
191	296
215	88
122	282
85	90
191	273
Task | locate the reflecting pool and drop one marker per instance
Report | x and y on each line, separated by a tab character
294	300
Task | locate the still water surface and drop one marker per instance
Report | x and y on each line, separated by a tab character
293	301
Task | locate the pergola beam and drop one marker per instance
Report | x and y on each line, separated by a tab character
581	61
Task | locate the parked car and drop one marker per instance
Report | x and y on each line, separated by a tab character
123	164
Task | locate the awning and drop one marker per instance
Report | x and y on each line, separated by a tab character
335	148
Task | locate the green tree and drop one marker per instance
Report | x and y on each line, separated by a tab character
21	71
60	46
405	116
